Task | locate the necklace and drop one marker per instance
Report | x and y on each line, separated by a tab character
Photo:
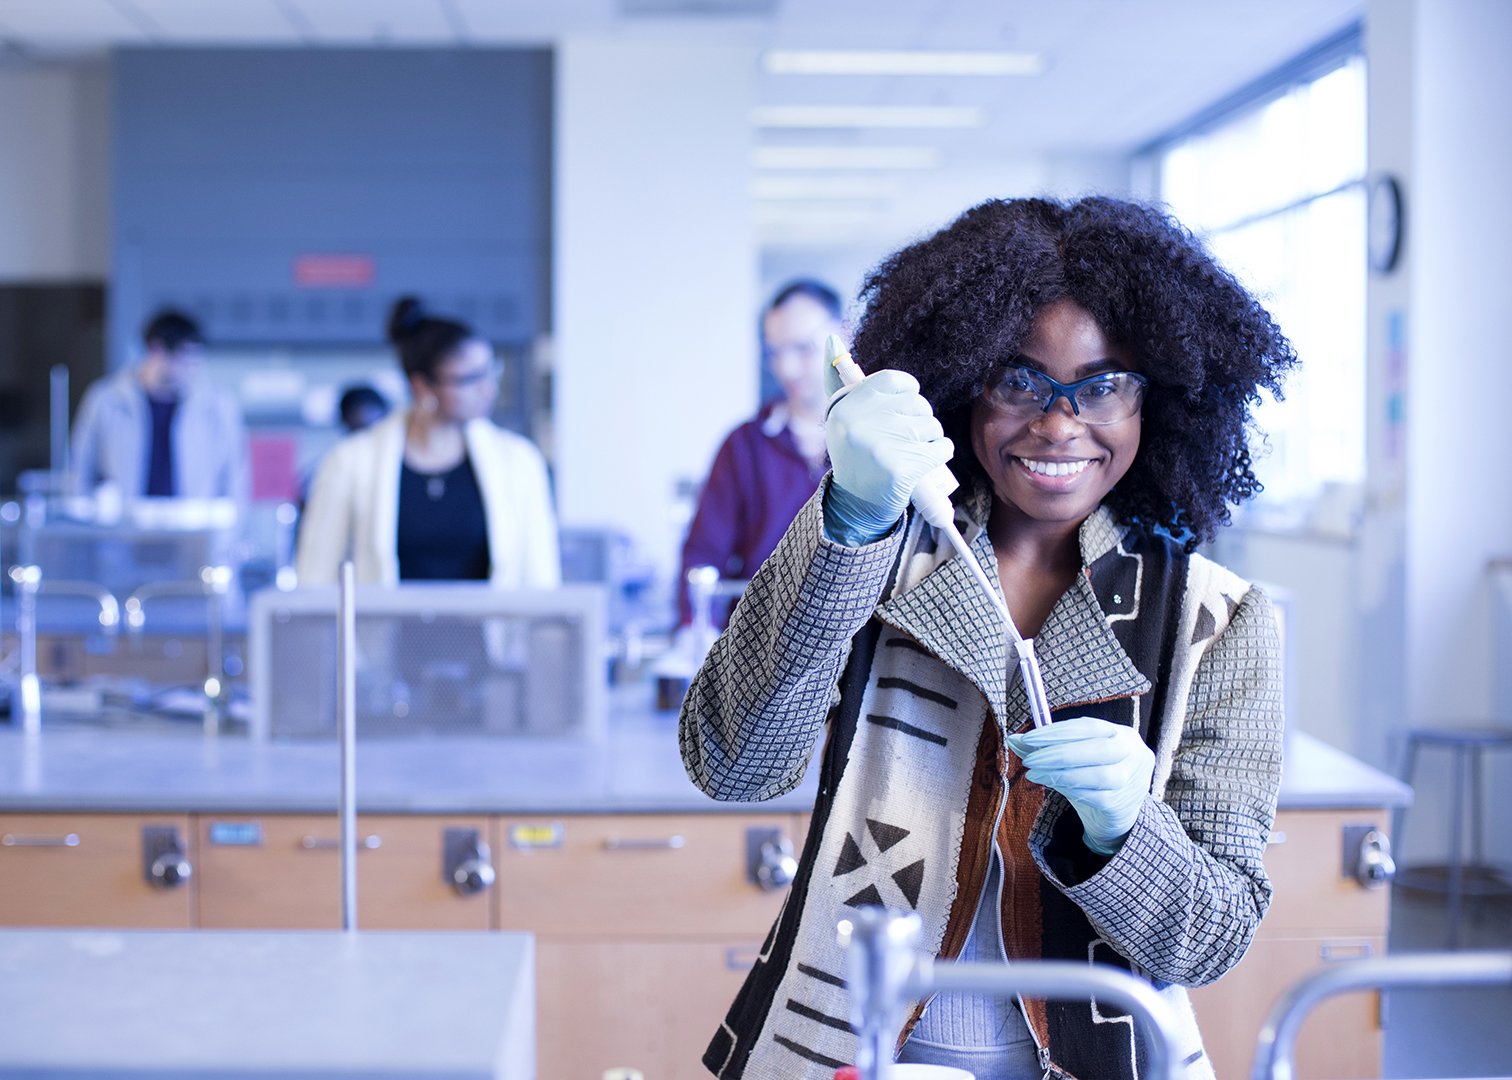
435	487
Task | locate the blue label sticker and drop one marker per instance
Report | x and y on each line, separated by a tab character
237	833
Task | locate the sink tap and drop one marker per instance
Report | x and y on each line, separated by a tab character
29	582
213	583
886	973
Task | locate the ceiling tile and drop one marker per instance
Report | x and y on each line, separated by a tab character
370	22
241	22
73	22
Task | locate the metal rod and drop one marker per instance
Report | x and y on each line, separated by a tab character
1477	801
58	384
1456	854
1276	1048
346	724
215	650
27	580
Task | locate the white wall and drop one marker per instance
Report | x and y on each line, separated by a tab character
1390	47
654	277
1460	490
54	172
1455	492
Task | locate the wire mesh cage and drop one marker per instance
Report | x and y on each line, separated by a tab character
433	659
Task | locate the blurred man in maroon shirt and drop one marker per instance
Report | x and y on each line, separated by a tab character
768	467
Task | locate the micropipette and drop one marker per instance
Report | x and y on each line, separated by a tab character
931	498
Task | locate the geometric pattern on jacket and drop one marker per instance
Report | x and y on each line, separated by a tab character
893	645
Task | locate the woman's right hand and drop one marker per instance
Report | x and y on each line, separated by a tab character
883	438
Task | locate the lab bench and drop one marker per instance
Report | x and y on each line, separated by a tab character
266	1006
640	890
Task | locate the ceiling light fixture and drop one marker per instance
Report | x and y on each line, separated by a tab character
823	187
845	157
900	62
867	116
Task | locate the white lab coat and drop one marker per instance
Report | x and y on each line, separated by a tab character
113	427
353	509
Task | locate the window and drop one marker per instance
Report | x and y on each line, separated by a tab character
1278	191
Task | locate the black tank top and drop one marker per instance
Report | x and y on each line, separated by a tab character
443	530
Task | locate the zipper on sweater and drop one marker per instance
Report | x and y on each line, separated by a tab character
997	822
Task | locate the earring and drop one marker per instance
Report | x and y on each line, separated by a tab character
429	403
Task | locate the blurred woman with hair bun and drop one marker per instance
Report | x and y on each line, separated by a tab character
436	491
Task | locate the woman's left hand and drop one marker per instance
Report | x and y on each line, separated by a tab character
1102	768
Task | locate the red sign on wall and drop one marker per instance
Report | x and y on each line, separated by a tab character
334	271
275	476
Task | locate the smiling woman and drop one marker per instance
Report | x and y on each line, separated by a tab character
1093	371
1205	345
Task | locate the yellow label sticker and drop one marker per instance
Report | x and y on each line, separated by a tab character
536	835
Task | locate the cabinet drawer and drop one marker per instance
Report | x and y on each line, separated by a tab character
1341	1038
635	876
647	1005
284	871
87	870
1313	895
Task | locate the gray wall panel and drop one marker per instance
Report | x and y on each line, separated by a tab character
231	164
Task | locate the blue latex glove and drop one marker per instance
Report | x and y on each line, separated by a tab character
882	438
1103	769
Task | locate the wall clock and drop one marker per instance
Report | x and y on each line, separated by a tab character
1384	229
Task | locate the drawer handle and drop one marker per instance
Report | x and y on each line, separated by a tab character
652	843
11	840
1332	952
328	843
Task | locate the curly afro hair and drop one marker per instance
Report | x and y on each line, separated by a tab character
952	309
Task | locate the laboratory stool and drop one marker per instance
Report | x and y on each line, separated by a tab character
1458	879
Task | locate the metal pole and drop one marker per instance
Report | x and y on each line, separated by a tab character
27	580
346	729
1276	1049
1456	883
58	383
216	580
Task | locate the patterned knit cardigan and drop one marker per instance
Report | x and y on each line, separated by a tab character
916	784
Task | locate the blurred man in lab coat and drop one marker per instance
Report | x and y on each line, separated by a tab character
159	428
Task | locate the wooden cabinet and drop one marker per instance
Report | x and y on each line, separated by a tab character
649	1005
284	871
1318	915
622	877
646	927
87	870
646	923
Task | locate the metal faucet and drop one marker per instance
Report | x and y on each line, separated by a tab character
213	583
28	581
1276	1048
885	972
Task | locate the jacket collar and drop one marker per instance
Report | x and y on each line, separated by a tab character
1080	659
